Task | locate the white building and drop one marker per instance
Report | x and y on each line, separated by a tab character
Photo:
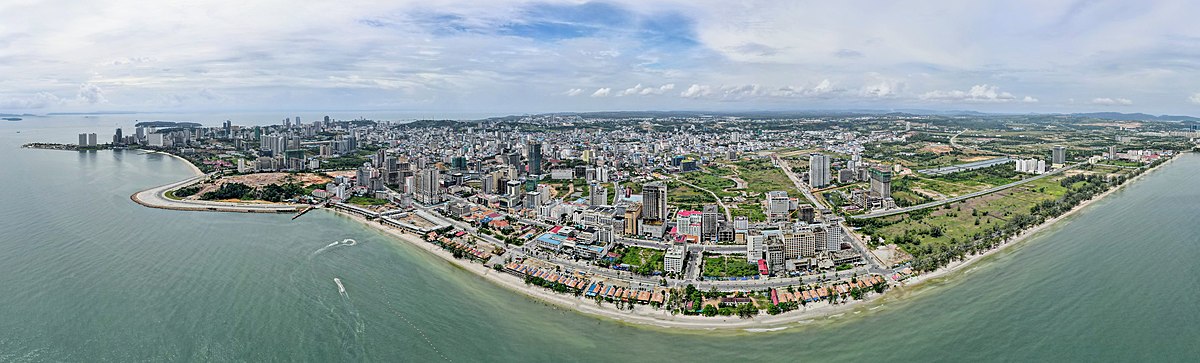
673	261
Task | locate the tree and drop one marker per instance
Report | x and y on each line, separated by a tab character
709	310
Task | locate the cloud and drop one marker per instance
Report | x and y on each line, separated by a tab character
645	91
602	92
977	93
1195	98
847	53
1106	101
573	92
34	101
881	89
91	94
696	91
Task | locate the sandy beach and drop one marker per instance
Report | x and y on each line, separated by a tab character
195	171
640	315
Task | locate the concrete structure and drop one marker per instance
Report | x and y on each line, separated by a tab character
881	183
675	258
818	170
654	202
1059	155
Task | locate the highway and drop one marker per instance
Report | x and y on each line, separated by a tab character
962	197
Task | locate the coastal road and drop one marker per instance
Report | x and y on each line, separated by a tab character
962	197
156	198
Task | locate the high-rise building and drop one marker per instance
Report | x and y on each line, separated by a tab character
1059	155
881	183
599	195
778	205
708	223
535	158
1112	152
654	199
428	186
91	139
118	138
83	140
818	170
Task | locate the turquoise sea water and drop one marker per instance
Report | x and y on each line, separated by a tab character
87	275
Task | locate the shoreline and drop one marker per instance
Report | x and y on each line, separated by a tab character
1025	234
642	315
195	170
645	316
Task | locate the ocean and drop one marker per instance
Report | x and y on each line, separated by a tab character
90	276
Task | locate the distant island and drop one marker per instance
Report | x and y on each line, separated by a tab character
11	119
162	124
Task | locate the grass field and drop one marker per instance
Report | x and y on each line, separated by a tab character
728	266
686	197
762	177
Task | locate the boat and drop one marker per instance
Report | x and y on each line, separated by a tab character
341	289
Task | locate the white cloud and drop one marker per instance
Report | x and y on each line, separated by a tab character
573	92
697	91
822	88
1195	98
977	93
631	91
602	92
1106	101
34	101
91	94
658	90
881	89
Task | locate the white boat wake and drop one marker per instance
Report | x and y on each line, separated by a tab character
346	242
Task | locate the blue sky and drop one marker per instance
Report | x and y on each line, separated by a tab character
531	56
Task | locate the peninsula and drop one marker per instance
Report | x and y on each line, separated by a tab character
681	220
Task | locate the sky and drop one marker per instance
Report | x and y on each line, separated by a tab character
509	57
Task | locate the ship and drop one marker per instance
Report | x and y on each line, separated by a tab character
341	289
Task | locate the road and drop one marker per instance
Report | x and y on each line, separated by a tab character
962	197
156	198
800	184
728	216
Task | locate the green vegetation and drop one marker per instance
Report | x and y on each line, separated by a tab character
183	192
762	177
752	211
686	197
728	266
359	200
644	261
939	235
712	179
269	192
345	162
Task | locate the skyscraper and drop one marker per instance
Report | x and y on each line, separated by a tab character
654	200
535	158
428	186
599	195
708	223
881	183
818	170
1059	155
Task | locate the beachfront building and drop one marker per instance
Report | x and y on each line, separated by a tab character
675	257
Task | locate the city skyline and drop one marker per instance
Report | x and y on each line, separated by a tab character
520	57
